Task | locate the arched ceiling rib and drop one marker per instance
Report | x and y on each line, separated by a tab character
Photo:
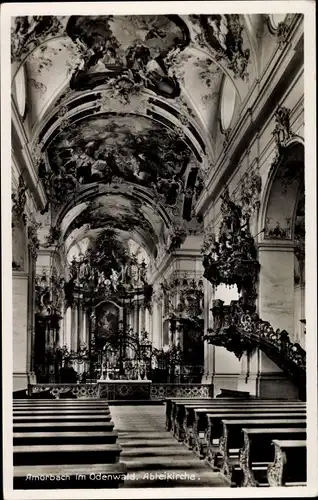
133	106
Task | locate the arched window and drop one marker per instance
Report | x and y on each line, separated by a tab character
227	103
20	88
275	20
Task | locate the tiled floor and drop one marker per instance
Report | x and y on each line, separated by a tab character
153	456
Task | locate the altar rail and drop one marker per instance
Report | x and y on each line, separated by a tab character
121	391
161	391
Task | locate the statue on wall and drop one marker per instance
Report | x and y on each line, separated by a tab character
29	32
18	203
223	32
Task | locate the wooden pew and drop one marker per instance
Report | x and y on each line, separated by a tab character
62	411
232	438
66	437
60	418
60	402
179	409
173	406
172	402
213	434
257	452
232	393
290	464
52	454
169	405
64	426
81	476
195	417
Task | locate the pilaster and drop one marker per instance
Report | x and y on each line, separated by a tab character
276	284
20	330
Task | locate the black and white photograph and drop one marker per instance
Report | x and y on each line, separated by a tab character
159	249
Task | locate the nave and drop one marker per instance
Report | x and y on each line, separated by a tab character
159	254
211	442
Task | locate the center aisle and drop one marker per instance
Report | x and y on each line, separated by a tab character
150	451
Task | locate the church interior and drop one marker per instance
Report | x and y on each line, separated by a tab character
158	251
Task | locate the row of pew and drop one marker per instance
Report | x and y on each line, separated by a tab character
65	444
251	442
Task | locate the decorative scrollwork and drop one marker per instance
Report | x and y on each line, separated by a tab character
80	391
53	237
49	294
277	232
160	391
232	259
282	131
124	86
18	204
276	469
224	35
30	31
176	236
244	458
250	190
33	240
283	31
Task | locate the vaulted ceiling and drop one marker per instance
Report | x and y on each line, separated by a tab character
124	113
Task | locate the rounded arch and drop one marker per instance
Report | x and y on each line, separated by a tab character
107	301
285	182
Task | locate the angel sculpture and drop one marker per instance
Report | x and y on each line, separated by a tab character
220	29
114	279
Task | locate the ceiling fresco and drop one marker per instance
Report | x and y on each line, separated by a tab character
134	102
114	211
135	149
131	46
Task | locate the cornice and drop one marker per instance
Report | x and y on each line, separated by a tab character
276	245
169	260
20	274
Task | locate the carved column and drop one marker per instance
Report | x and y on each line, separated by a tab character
85	335
80	325
179	335
67	327
31	319
74	328
208	348
147	322
172	333
156	321
136	317
141	316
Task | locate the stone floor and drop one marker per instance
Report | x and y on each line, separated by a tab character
153	456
